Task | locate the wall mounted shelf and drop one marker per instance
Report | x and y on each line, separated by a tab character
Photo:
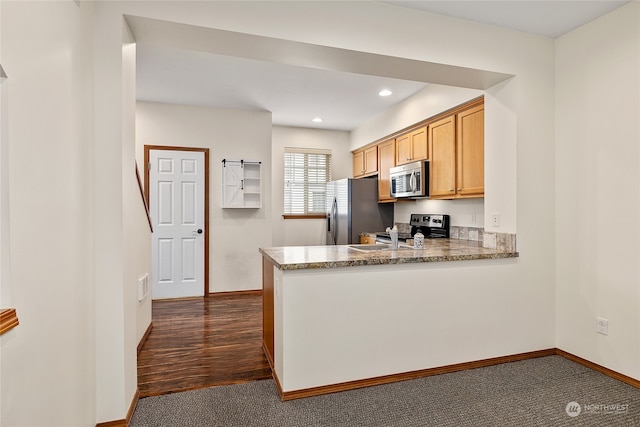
241	184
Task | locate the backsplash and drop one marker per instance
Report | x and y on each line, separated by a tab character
403	227
491	240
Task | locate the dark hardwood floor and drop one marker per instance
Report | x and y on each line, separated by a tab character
203	342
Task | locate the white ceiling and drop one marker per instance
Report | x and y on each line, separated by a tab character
294	95
173	72
551	18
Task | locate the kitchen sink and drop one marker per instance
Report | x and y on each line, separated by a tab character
380	247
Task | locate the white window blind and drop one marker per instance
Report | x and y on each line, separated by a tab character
306	172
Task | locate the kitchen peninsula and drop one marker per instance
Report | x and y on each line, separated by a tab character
348	316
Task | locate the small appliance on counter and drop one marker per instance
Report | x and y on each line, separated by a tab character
431	226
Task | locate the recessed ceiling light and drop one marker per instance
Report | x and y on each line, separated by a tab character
385	92
317	120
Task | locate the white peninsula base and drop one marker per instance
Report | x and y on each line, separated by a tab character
332	329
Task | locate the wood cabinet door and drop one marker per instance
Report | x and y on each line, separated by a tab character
358	163
419	144
470	152
442	155
403	149
371	160
386	160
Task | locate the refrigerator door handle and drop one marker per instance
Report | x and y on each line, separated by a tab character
334	214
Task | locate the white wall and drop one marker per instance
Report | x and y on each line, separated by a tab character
304	232
47	366
235	234
405	324
116	251
136	228
5	296
598	190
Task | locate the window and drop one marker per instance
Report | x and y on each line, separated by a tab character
306	173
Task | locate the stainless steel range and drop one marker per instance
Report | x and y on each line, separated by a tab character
433	226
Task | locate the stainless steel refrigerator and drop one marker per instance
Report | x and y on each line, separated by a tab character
353	208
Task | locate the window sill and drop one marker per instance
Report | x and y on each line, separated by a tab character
313	216
8	319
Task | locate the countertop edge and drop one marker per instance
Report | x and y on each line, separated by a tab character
385	260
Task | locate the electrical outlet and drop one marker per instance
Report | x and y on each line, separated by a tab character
473	218
602	326
495	219
143	286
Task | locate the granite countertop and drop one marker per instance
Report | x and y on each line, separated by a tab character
435	250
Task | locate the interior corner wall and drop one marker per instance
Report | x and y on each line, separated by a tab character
136	256
234	234
113	162
47	365
598	190
137	228
5	244
304	232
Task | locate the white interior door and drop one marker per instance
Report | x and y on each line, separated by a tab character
176	206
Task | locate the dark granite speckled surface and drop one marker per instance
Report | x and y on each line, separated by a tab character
435	250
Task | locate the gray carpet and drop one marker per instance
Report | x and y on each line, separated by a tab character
533	392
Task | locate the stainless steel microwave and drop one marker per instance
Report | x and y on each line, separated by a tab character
410	180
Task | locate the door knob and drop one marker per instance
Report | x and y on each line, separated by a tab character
199	231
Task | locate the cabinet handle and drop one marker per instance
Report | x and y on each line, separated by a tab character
459	189
451	190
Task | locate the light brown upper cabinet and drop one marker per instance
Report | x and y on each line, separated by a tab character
456	153
470	152
365	162
442	158
386	160
411	146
